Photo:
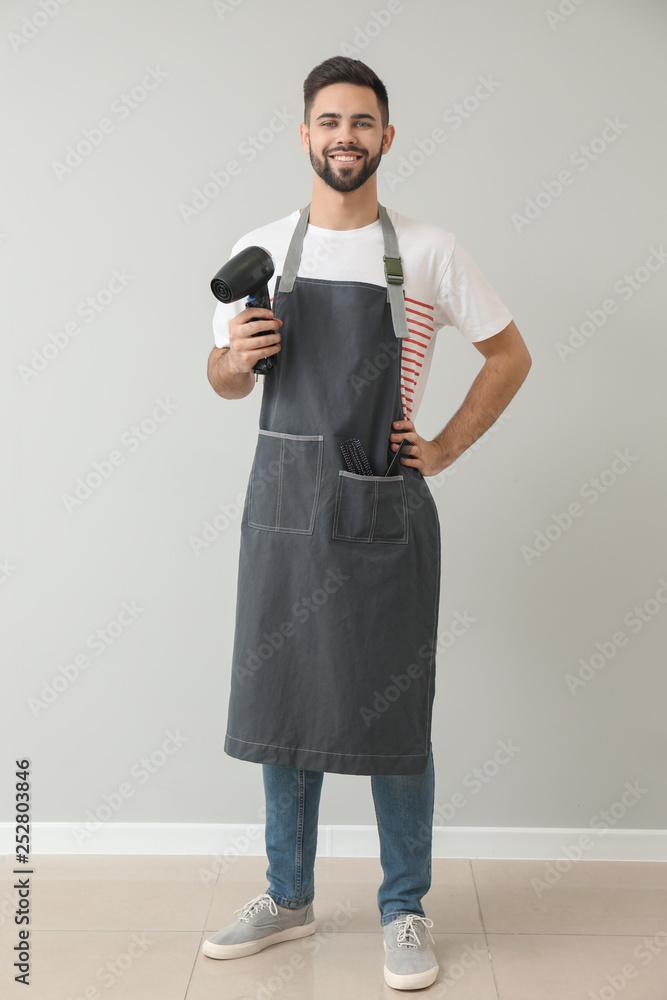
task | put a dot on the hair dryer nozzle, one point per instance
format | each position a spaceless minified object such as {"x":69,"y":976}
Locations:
{"x":243,"y":274}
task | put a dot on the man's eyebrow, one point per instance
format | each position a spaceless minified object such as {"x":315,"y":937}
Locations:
{"x":335,"y":114}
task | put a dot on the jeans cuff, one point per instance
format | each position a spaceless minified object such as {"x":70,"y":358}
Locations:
{"x":290,"y":904}
{"x":388,"y":918}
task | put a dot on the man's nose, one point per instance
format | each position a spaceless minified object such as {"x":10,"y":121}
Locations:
{"x":345,"y":135}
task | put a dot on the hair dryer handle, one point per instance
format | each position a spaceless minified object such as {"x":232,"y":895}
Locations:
{"x":261,"y":300}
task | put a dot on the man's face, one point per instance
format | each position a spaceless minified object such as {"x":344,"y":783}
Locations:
{"x":345,"y":140}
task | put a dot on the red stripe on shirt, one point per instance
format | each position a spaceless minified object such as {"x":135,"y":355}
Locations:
{"x":423,"y":344}
{"x":418,"y":303}
{"x":416,"y":312}
{"x":415,"y":322}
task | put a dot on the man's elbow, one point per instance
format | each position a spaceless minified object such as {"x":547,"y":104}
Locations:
{"x":520,"y":358}
{"x":524,"y":362}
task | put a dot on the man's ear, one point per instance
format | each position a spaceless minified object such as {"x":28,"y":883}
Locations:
{"x":303,"y":131}
{"x":388,"y":138}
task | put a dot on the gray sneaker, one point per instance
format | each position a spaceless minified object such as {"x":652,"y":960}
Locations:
{"x":409,"y":962}
{"x":261,"y":923}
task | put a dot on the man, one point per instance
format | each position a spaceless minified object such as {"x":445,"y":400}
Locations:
{"x":339,"y":570}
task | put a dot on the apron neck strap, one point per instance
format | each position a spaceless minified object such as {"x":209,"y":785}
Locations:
{"x":393,"y":273}
{"x":392,"y":266}
{"x":293,"y":256}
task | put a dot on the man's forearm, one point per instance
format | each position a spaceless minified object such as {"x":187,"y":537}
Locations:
{"x":226,"y":384}
{"x":495,"y":385}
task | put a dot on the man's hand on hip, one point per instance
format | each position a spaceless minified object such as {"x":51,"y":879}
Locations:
{"x":426,"y":456}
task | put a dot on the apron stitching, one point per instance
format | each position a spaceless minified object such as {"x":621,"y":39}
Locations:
{"x":318,"y":488}
{"x":339,"y":283}
{"x":252,"y":470}
{"x":406,"y":522}
{"x":295,"y":437}
{"x":336,"y":533}
{"x":330,"y":753}
{"x":280,"y":482}
{"x":336,"y":512}
{"x":381,"y":479}
{"x":375,"y":511}
{"x":435,"y":624}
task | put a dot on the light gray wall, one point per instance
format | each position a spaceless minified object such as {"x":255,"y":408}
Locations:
{"x":219,"y":76}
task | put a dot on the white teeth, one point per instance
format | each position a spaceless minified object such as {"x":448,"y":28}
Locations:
{"x":345,"y":159}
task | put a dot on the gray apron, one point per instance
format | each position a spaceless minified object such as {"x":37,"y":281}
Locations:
{"x":339,"y":574}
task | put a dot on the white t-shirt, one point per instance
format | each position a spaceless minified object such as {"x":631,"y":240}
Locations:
{"x":443,"y":286}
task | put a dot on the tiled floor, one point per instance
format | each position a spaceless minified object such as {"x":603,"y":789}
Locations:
{"x":131,"y":928}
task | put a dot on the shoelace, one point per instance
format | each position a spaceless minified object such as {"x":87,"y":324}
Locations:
{"x":407,"y":931}
{"x":256,"y":904}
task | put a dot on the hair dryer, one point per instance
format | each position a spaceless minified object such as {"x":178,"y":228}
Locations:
{"x":247,"y":273}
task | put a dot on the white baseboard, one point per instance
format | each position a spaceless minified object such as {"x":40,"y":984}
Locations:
{"x":229,"y":839}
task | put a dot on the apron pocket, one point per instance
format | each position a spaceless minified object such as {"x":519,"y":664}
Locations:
{"x":285,"y":482}
{"x":370,"y":509}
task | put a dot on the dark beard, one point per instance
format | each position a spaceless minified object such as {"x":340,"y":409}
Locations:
{"x":346,"y":180}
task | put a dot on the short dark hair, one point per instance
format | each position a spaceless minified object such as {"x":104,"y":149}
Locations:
{"x":342,"y":69}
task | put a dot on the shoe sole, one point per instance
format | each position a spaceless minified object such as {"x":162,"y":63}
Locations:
{"x":252,"y":947}
{"x":414,"y":981}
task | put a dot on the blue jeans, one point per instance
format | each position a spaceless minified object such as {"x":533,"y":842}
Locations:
{"x":404,"y":813}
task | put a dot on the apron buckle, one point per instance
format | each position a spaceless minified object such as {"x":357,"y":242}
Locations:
{"x":393,"y":271}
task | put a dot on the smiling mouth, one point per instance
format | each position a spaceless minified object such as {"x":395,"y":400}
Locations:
{"x":344,"y":157}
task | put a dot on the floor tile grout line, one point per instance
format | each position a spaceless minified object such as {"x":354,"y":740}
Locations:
{"x":195,"y":959}
{"x":486,"y":937}
{"x":212,"y":897}
{"x":202,"y":933}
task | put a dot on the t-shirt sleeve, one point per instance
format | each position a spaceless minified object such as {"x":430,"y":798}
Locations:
{"x":466,"y":300}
